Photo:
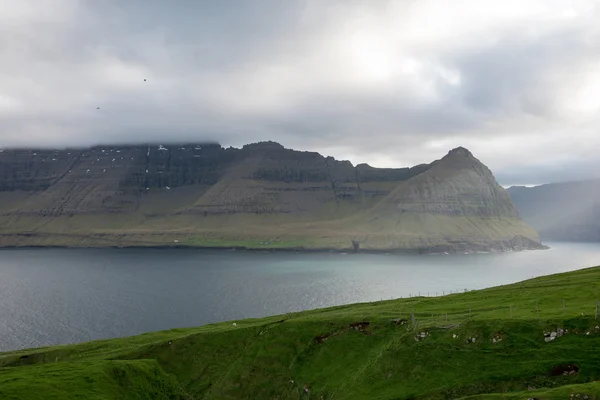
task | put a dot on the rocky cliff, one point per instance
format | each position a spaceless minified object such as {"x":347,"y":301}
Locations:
{"x":259,"y":196}
{"x":561,"y":211}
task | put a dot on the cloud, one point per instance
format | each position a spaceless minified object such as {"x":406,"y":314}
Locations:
{"x":389,"y":83}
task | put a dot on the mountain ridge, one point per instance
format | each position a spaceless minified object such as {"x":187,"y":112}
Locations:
{"x":207,"y":195}
{"x":561,"y":211}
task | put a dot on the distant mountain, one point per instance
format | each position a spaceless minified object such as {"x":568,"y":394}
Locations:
{"x":561,"y":211}
{"x":260,"y":196}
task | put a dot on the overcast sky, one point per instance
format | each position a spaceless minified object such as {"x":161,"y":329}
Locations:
{"x":390,"y":83}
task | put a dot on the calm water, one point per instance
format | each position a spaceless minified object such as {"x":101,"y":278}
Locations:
{"x":54,"y":296}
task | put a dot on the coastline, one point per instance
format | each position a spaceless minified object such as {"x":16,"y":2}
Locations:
{"x":437,"y":250}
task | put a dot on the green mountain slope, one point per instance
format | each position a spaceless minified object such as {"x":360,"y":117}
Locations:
{"x":260,"y":196}
{"x":456,"y":204}
{"x":534,"y":339}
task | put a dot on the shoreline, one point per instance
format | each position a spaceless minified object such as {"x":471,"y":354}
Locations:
{"x":421,"y":251}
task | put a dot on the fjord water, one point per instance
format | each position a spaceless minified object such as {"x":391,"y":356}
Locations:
{"x":53,"y":296}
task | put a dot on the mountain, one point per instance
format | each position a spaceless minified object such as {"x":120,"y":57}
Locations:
{"x":260,"y":196}
{"x":561,"y":211}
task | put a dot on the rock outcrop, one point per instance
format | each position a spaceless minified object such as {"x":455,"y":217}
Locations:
{"x":261,"y":195}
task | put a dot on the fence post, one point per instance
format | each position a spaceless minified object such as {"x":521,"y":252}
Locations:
{"x":564,"y":307}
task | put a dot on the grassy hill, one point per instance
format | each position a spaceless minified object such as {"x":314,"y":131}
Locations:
{"x":534,"y":339}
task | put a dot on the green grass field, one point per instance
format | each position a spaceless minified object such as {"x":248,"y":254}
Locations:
{"x":479,"y":345}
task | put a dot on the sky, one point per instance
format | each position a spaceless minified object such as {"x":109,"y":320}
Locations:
{"x":391,"y":83}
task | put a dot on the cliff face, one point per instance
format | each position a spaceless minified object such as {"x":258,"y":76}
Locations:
{"x":256,"y":196}
{"x":561,"y":211}
{"x":259,"y":178}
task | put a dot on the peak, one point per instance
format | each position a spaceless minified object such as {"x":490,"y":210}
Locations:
{"x":458,"y":159}
{"x":460,"y":151}
{"x":458,"y":155}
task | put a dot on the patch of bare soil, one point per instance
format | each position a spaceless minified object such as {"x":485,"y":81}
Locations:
{"x":565,"y":369}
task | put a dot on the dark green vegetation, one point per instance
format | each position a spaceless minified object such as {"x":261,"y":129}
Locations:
{"x":561,"y":211}
{"x":261,"y":196}
{"x":488,"y":344}
{"x":139,"y":379}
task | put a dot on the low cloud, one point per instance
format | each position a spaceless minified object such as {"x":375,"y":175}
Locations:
{"x":389,"y":83}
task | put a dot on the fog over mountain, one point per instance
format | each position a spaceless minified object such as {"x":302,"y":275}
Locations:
{"x":561,"y":211}
{"x":387,"y":83}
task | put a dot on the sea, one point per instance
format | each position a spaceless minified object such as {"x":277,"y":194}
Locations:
{"x":59,"y":296}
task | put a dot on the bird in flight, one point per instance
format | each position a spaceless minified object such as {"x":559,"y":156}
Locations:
{"x":97,"y":108}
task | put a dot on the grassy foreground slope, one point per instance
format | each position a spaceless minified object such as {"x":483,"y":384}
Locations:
{"x":485,"y":344}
